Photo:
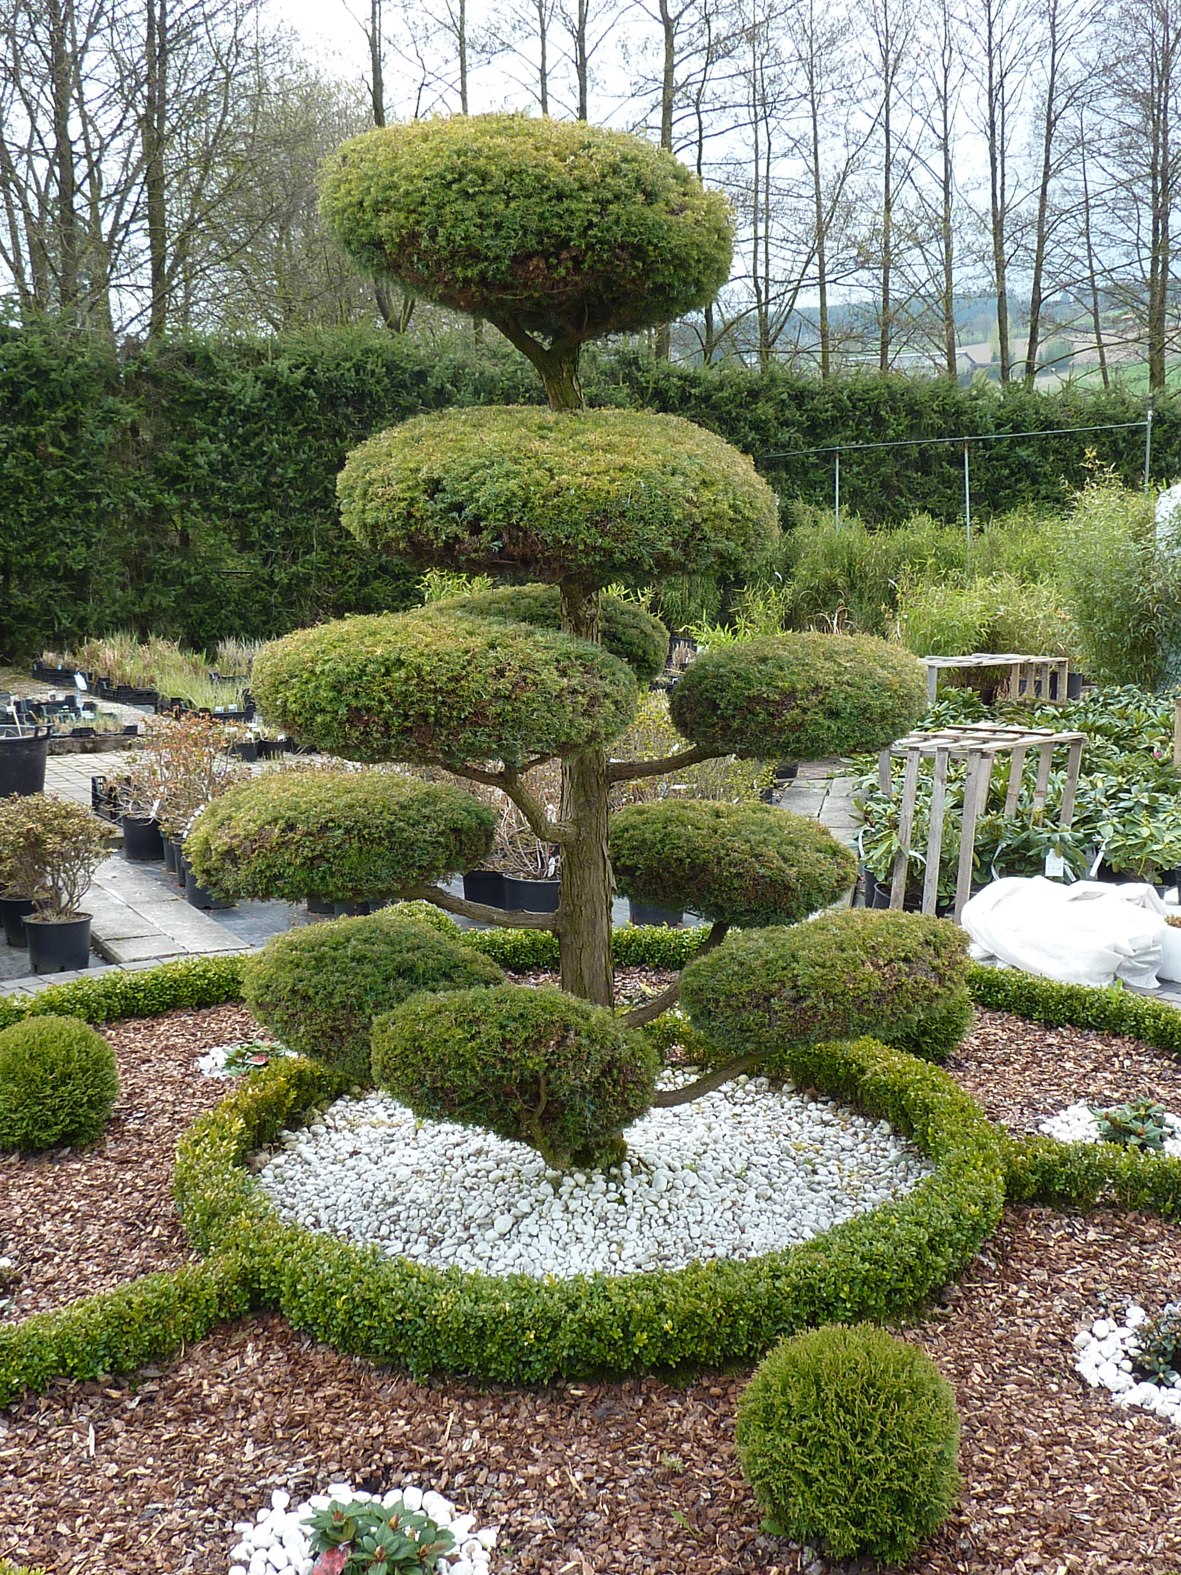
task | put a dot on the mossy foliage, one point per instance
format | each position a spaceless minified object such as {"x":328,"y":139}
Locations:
{"x":635,"y":636}
{"x":336,"y":835}
{"x":601,"y":495}
{"x":749,"y":864}
{"x":429,"y":686}
{"x":800,"y":696}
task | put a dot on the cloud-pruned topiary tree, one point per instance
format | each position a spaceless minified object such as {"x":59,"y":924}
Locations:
{"x":558,"y":234}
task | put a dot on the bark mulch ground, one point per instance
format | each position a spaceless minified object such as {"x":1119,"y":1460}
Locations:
{"x":149,"y":1474}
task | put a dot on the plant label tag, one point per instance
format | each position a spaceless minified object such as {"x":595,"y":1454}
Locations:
{"x":80,"y":682}
{"x":1055,"y":866}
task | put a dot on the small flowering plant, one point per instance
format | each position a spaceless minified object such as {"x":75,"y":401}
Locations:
{"x":1140,"y":1124}
{"x":375,"y":1539}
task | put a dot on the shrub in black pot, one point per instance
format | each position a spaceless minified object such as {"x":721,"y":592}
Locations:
{"x":52,"y":849}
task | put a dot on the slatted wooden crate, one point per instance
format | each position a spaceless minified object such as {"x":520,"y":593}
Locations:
{"x":978,"y":744}
{"x":1030,"y":677}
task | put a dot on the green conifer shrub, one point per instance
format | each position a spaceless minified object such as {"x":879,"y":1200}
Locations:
{"x":849,"y":1438}
{"x":320,"y":988}
{"x":57,"y":1083}
{"x":535,"y":1066}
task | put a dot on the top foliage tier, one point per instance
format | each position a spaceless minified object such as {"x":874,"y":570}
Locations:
{"x":560,"y":229}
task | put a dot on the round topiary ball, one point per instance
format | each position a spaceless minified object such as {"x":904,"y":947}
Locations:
{"x":57,"y":1083}
{"x":534,"y":1066}
{"x":319,"y":989}
{"x":559,"y":227}
{"x":600,"y":495}
{"x":429,"y":686}
{"x":748,"y":864}
{"x":800,"y":696}
{"x":629,"y":632}
{"x":899,"y":977}
{"x":337,"y":835}
{"x":849,"y":1438}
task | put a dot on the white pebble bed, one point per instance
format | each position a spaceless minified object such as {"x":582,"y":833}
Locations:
{"x":748,"y":1169}
{"x":276,"y":1541}
{"x":1076,"y":1124}
{"x":1105,"y":1360}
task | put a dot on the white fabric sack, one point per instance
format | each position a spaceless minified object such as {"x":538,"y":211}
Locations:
{"x":1088,"y":933}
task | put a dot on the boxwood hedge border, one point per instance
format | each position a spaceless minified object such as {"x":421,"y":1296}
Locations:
{"x":704,"y":1316}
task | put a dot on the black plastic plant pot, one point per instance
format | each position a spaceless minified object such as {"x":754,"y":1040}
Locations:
{"x":169,"y":854}
{"x":142,"y":842}
{"x":649,"y":913}
{"x":182,"y":865}
{"x":22,"y":761}
{"x":201,"y":896}
{"x":317,"y":905}
{"x":247,"y":750}
{"x":486,"y":886}
{"x":531,"y":896}
{"x":13,"y":911}
{"x":59,"y":945}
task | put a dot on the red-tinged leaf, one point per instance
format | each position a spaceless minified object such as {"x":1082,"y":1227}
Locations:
{"x":332,"y":1560}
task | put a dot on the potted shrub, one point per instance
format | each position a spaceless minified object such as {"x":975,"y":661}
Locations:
{"x":53,"y":848}
{"x":16,"y":895}
{"x":189,"y":760}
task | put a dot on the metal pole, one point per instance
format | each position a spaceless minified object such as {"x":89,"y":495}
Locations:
{"x":967,"y":497}
{"x":1148,"y":444}
{"x":836,"y":491}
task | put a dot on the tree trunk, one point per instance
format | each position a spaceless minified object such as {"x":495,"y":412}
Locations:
{"x":584,"y":910}
{"x":152,"y":135}
{"x":62,"y":70}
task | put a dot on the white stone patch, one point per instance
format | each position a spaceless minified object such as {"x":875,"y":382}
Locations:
{"x":234,"y":1059}
{"x":1076,"y":1124}
{"x":1104,"y":1359}
{"x":277,"y":1541}
{"x":748,"y":1169}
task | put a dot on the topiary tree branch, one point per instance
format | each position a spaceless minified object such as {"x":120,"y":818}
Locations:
{"x":506,"y":918}
{"x":669,"y":1098}
{"x":508,"y":781}
{"x":651,"y":1010}
{"x":633,"y":770}
{"x":556,"y":365}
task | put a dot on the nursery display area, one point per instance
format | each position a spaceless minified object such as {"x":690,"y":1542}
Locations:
{"x":546,"y":1246}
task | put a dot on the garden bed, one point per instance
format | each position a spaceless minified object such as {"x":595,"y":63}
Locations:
{"x":638,"y":1477}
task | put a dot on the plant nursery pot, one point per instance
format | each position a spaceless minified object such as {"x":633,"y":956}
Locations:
{"x":23,"y":754}
{"x":200,"y":896}
{"x":648,"y":913}
{"x":59,"y":945}
{"x":486,"y":886}
{"x":315,"y":905}
{"x":178,"y":861}
{"x":247,"y":751}
{"x":142,"y":842}
{"x":531,"y":896}
{"x":169,"y":854}
{"x":12,"y":914}
{"x":350,"y":910}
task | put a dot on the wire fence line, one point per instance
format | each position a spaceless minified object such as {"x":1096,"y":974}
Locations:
{"x":968,"y":438}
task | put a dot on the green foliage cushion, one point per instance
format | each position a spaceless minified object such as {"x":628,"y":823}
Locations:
{"x":428,"y":686}
{"x":849,"y":1438}
{"x":336,"y":835}
{"x":602,"y":494}
{"x":535,"y":1066}
{"x":748,"y":864}
{"x":901,"y":977}
{"x":800,"y":696}
{"x":57,"y":1083}
{"x":319,"y":988}
{"x":629,"y":632}
{"x":565,"y":227}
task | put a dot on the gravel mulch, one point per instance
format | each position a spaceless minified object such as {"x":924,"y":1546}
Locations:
{"x":75,"y":1222}
{"x":584,"y":1479}
{"x":1023,"y":1072}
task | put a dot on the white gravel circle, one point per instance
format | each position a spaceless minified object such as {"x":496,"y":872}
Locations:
{"x":1104,"y":1358}
{"x":748,"y":1169}
{"x":1076,"y":1124}
{"x":277,"y":1542}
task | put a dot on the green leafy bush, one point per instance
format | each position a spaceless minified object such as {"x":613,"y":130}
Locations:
{"x":558,"y":225}
{"x":800,"y":696}
{"x":901,"y":977}
{"x":629,"y":632}
{"x":603,"y":494}
{"x":336,"y":835}
{"x":57,"y":1083}
{"x":379,"y":1539}
{"x":424,"y":686}
{"x":319,"y":989}
{"x":139,"y":992}
{"x":849,"y":1438}
{"x":1139,"y":1124}
{"x":1156,"y":1352}
{"x":1001,"y":613}
{"x":535,"y":1066}
{"x":732,"y":863}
